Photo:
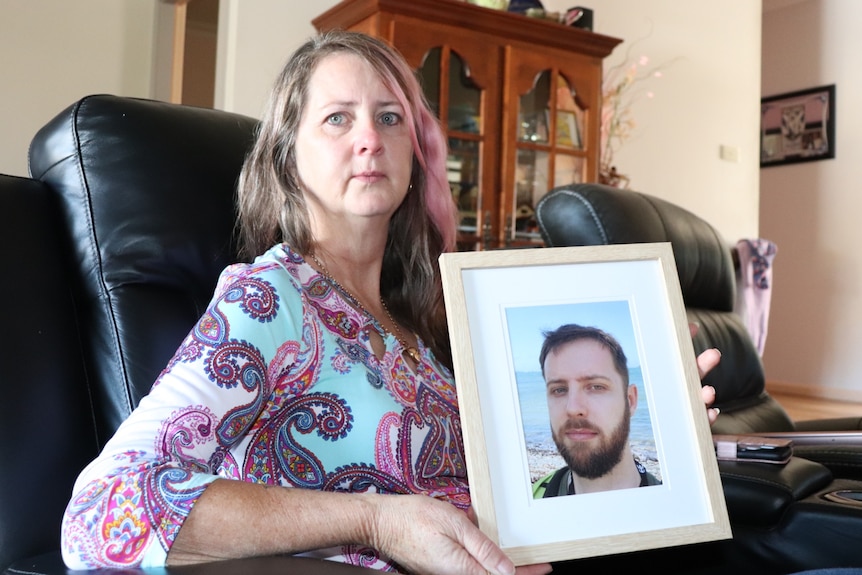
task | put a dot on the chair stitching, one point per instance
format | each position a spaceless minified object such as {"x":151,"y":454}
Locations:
{"x":583,"y":200}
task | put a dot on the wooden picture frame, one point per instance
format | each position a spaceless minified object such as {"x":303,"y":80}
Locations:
{"x":797,"y":126}
{"x":481,"y":289}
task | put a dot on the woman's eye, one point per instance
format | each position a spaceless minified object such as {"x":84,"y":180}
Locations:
{"x":390,"y":118}
{"x":336,"y":119}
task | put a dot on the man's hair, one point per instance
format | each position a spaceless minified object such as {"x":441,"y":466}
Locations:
{"x":571,"y":332}
{"x":272,"y":207}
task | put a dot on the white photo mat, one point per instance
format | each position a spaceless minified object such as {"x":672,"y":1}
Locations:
{"x":687,"y":508}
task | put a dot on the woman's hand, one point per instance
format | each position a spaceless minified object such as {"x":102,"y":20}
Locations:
{"x":427,"y":536}
{"x":707,"y":360}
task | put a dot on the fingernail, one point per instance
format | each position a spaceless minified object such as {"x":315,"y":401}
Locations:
{"x":505,"y":567}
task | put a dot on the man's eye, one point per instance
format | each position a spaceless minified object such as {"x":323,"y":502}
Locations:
{"x":390,"y":118}
{"x":557,"y":391}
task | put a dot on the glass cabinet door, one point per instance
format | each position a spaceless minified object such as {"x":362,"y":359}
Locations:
{"x":461,"y":80}
{"x":549,"y":150}
{"x":462,"y":116}
{"x":549,"y":127}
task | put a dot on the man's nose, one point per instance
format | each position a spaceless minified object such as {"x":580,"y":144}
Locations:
{"x":575,"y":404}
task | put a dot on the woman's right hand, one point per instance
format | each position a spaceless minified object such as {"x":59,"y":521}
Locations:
{"x":428,"y":536}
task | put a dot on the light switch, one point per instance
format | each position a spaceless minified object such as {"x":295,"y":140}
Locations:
{"x":729,"y":153}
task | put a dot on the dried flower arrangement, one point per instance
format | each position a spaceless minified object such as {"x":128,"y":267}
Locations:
{"x":623,"y":84}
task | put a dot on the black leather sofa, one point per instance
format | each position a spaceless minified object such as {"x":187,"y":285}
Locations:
{"x":114,"y":244}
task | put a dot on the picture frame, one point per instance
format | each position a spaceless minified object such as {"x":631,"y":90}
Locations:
{"x":797,"y":126}
{"x":568,"y":133}
{"x":481,"y":291}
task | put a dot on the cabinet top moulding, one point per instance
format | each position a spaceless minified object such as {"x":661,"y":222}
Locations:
{"x":485,"y":20}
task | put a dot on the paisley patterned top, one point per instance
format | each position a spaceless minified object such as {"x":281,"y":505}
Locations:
{"x":276,"y":384}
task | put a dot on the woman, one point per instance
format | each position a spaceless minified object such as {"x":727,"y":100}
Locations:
{"x":323,"y":365}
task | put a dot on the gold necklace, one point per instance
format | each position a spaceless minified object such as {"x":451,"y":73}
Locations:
{"x":408,"y":349}
{"x":411,"y":351}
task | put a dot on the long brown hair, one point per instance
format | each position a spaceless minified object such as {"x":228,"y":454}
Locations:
{"x":272,"y":208}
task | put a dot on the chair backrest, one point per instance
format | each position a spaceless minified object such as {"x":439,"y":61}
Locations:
{"x":593,"y":214}
{"x":147,"y":193}
{"x":45,"y":417}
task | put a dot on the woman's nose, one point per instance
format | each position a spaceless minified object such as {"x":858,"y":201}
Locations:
{"x":368,"y":140}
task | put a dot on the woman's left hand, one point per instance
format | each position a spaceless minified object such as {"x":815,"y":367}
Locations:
{"x":707,"y":360}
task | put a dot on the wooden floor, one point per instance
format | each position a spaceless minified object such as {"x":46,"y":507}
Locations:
{"x":802,"y":407}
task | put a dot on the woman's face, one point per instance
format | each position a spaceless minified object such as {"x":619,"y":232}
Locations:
{"x":353,"y":147}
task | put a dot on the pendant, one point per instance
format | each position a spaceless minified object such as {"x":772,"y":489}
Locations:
{"x":413,"y":354}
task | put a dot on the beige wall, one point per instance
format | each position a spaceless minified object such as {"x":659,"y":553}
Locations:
{"x":54,"y":52}
{"x":707,"y":97}
{"x":811,"y":210}
{"x":255,"y":38}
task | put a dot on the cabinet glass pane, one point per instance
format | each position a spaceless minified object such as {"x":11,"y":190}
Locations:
{"x":463,"y":173}
{"x":531,"y":184}
{"x":568,"y":170}
{"x":464,"y":97}
{"x":429,"y":77}
{"x":570,"y":117}
{"x":533,"y":111}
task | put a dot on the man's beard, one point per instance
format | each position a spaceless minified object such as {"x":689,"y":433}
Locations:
{"x":592,"y":463}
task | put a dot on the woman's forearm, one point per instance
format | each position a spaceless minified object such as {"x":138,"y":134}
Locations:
{"x":238,"y":519}
{"x":420,"y":533}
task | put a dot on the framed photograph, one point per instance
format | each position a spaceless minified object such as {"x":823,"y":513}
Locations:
{"x":568,"y":133}
{"x":797,"y":126}
{"x":584,"y":429}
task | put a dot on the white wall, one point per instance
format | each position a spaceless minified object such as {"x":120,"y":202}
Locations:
{"x":811,"y":210}
{"x":706,"y":98}
{"x":54,"y":52}
{"x":255,"y":39}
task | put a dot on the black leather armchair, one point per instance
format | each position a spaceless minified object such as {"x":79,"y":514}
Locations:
{"x":147,"y":192}
{"x":591,"y":214}
{"x":114,"y":245}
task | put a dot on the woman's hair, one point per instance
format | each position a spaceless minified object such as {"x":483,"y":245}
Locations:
{"x":272,"y":208}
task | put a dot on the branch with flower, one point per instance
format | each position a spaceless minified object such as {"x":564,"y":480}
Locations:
{"x":623,"y":85}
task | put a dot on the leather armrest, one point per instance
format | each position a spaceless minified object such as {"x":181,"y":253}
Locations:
{"x":830,"y":424}
{"x":843,"y":461}
{"x":759,"y":493}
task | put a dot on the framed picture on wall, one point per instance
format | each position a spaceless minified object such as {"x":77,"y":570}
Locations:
{"x":797,"y":126}
{"x":504,"y":307}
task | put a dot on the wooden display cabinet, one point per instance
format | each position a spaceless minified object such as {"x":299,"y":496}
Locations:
{"x":519,"y":97}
